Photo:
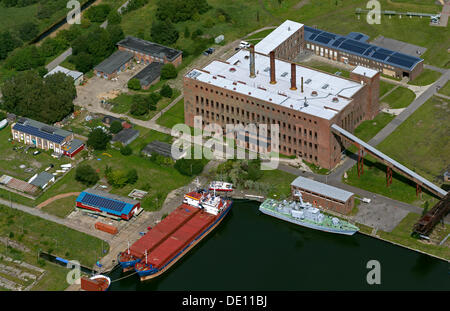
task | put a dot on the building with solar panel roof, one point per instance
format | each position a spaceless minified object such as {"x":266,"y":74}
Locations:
{"x":45,"y":137}
{"x":353,"y":49}
{"x":107,"y":204}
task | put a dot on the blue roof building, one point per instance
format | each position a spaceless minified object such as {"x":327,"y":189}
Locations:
{"x":107,"y":204}
{"x":354,"y":49}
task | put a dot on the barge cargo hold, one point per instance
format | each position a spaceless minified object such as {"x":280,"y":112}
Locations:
{"x":175,"y":235}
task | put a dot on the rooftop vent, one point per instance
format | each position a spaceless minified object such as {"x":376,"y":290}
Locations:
{"x":237,"y":62}
{"x":266,"y":69}
{"x":284,"y":74}
{"x":313,"y":93}
{"x":335,"y":100}
{"x":325,"y":86}
{"x":246,"y":57}
{"x":308,"y":81}
{"x":232,"y":69}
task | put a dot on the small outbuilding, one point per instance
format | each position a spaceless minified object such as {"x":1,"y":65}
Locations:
{"x":42,"y":180}
{"x":113,"y":65}
{"x":126,"y":136}
{"x":75,"y":75}
{"x":149,"y":75}
{"x":160,"y":148}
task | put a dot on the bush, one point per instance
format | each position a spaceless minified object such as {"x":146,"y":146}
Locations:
{"x":139,"y":106}
{"x":166,"y":91}
{"x":119,"y":178}
{"x":115,"y":127}
{"x":98,"y":13}
{"x":126,"y":150}
{"x":189,"y":167}
{"x":98,"y":139}
{"x":168,"y":71}
{"x":28,"y":31}
{"x":164,"y":32}
{"x":86,"y":175}
{"x":114,"y":18}
{"x":134,"y":84}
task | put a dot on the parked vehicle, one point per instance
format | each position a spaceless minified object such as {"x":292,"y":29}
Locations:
{"x":36,"y":152}
{"x":244,"y":45}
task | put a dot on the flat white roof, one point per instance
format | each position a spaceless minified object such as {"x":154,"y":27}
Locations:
{"x":278,"y":36}
{"x":71,"y":73}
{"x":364,"y":71}
{"x":235,"y":75}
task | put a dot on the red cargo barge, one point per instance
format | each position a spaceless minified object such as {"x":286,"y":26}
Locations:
{"x":176,"y":234}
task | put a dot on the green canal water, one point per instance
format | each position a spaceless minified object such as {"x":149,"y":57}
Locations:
{"x":253,"y":251}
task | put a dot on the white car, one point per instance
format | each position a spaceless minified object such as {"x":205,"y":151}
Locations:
{"x":366,"y":200}
{"x":244,"y":45}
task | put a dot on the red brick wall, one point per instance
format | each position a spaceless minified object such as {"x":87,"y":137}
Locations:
{"x":326,"y":203}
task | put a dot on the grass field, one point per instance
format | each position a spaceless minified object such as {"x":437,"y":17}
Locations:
{"x":174,"y":115}
{"x":280,"y":181}
{"x":145,"y":137}
{"x":62,"y":207}
{"x":421,"y":143}
{"x":368,"y":129}
{"x":385,"y":87}
{"x":445,"y":90}
{"x":38,"y":234}
{"x":426,"y":77}
{"x":401,"y":97}
{"x":402,"y":235}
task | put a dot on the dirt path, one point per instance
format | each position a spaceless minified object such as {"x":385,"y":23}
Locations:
{"x":57,"y":197}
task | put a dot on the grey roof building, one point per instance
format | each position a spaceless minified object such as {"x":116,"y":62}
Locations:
{"x":42,"y":179}
{"x":160,"y":148}
{"x":322,"y":189}
{"x":126,"y":136}
{"x":149,"y":48}
{"x":114,"y":63}
{"x":149,"y":74}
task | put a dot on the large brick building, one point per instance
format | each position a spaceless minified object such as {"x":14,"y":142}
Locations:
{"x":354,"y":50}
{"x":304,"y":102}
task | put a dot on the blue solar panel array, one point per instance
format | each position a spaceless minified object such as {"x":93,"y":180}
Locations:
{"x":105,"y":204}
{"x":31,"y":130}
{"x":353,"y":44}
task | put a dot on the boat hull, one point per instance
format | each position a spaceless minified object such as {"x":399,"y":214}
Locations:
{"x":306,"y":224}
{"x":150,"y":274}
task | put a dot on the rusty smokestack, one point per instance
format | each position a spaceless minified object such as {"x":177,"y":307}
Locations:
{"x":302,"y":85}
{"x":272,"y":68}
{"x":293,"y":77}
{"x":252,"y":61}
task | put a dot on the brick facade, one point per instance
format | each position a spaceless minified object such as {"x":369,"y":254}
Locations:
{"x":325,"y":202}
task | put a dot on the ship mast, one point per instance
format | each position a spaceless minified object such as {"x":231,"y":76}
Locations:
{"x":145,"y":256}
{"x":128,"y":242}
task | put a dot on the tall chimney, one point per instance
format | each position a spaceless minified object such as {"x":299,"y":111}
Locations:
{"x":302,"y":85}
{"x":252,"y":61}
{"x":293,"y":77}
{"x":272,"y":68}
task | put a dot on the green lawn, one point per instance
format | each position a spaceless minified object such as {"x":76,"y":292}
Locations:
{"x":445,"y":89}
{"x":401,"y":97}
{"x":62,"y":207}
{"x":280,"y":182}
{"x":39,"y":234}
{"x":146,"y":136}
{"x":316,"y":169}
{"x":174,"y":115}
{"x":402,"y":235}
{"x":368,"y":129}
{"x":427,"y":77}
{"x":385,"y":87}
{"x":421,"y":144}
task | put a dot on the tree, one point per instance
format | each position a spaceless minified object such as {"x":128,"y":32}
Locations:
{"x":28,"y":31}
{"x":9,"y":43}
{"x":126,"y":150}
{"x":25,"y":59}
{"x":132,"y":176}
{"x":166,"y":91}
{"x":189,"y":167}
{"x":187,"y":33}
{"x":115,"y":127}
{"x":98,"y":139}
{"x":98,"y":13}
{"x":114,"y":18}
{"x":47,"y":99}
{"x":86,"y":175}
{"x":134,"y":84}
{"x":115,"y":33}
{"x":168,"y":71}
{"x":139,"y":106}
{"x":180,"y":10}
{"x":83,"y":62}
{"x":164,"y":32}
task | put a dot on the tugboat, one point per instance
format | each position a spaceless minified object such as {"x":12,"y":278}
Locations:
{"x":306,"y":215}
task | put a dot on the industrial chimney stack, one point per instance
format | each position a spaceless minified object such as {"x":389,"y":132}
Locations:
{"x":272,"y":68}
{"x":293,"y":77}
{"x":252,"y":61}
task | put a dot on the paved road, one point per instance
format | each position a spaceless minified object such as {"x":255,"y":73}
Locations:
{"x":59,"y":59}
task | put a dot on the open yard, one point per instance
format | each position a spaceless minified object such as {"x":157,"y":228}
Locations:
{"x":62,"y":207}
{"x":426,"y":77}
{"x":401,"y":97}
{"x":445,"y":90}
{"x":385,"y":87}
{"x":35,"y":234}
{"x":174,"y":115}
{"x":368,"y":129}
